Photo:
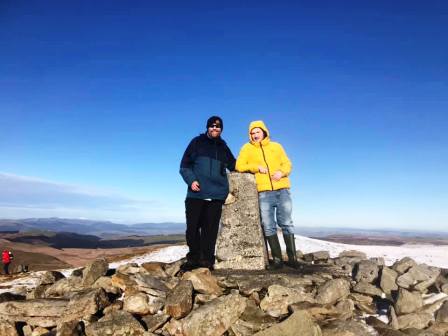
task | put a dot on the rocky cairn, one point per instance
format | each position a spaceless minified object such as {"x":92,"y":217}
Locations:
{"x":342,"y":296}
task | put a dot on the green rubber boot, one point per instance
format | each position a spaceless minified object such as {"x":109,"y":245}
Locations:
{"x":276,"y":251}
{"x":290,"y":243}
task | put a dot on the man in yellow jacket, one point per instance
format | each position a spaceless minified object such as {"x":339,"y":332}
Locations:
{"x":271,"y":166}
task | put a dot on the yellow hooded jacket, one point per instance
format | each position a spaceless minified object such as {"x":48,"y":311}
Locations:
{"x":268,"y":154}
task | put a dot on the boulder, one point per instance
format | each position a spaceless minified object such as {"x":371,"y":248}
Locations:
{"x":137,"y":304}
{"x":84,"y":304}
{"x":215,"y":317}
{"x":36,"y":312}
{"x":299,"y":323}
{"x":180,"y":300}
{"x":119,"y":323}
{"x":401,"y":266}
{"x":93,"y":271}
{"x":332,"y":290}
{"x":387,"y":281}
{"x":368,"y":289}
{"x":442,"y":313}
{"x":154,"y":269}
{"x":347,"y":328}
{"x":50,"y":277}
{"x":7,"y":328}
{"x":408,"y":302}
{"x":366,"y":271}
{"x":154,"y":322}
{"x":318,"y":256}
{"x":278,"y":298}
{"x":203,"y":281}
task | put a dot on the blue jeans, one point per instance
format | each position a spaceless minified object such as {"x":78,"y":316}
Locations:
{"x":276,"y":209}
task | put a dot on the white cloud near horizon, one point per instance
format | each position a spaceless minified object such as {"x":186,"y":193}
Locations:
{"x":23,"y":196}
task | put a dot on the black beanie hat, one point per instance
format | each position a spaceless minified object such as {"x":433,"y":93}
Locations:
{"x":214,"y":120}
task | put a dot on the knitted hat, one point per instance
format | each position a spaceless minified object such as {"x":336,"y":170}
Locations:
{"x":215,"y":120}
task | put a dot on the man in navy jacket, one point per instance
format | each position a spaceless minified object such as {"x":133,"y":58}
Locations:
{"x":204,"y":168}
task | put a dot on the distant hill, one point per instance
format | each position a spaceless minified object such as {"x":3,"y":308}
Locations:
{"x":88,"y":227}
{"x":109,"y":229}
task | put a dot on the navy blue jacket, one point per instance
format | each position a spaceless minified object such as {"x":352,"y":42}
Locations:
{"x":206,"y":160}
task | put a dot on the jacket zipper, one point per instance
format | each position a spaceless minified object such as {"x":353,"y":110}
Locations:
{"x":269,"y":173}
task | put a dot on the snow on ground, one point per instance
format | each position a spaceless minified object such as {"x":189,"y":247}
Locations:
{"x":434,"y":255}
{"x":167,"y":254}
{"x":428,"y":254}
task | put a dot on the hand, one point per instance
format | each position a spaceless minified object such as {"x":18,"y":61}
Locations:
{"x":262,"y":170}
{"x":277,"y":175}
{"x":195,"y":186}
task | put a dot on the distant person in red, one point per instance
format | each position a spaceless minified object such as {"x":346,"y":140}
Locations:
{"x":7,"y":257}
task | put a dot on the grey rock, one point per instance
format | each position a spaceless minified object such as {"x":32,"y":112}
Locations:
{"x":106,"y":284}
{"x":278,"y":298}
{"x":93,"y":271}
{"x":154,"y":322}
{"x":442,"y":313}
{"x":7,"y":328}
{"x":368,"y":289}
{"x":119,"y":323}
{"x":64,"y":288}
{"x":352,"y":254}
{"x":318,"y":256}
{"x":408,"y":302}
{"x":215,"y":317}
{"x":366,"y":271}
{"x":203,"y":281}
{"x":347,"y":328}
{"x":299,"y":323}
{"x":235,"y":250}
{"x":419,"y":277}
{"x":69,"y":328}
{"x":252,"y":320}
{"x":332,"y":290}
{"x":401,"y":266}
{"x":180,"y":300}
{"x":414,"y":320}
{"x":154,"y":268}
{"x":50,"y":277}
{"x":137,"y":304}
{"x":85,"y":304}
{"x":388,"y":280}
{"x":37,"y":312}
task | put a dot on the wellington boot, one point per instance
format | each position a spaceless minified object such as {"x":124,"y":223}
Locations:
{"x":290,"y":243}
{"x":276,"y":251}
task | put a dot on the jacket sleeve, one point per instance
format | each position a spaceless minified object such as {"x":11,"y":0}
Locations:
{"x":231,"y":161}
{"x":186,"y":164}
{"x":242,"y":163}
{"x":285,"y":163}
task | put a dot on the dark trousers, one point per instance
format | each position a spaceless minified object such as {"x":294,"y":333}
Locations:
{"x":202,"y":228}
{"x":6,"y":268}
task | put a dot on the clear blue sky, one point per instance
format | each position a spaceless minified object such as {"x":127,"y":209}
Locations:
{"x":98,"y":100}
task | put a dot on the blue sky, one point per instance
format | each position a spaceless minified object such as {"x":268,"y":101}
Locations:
{"x":98,"y":100}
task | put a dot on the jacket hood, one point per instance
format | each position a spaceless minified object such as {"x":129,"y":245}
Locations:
{"x":259,"y":124}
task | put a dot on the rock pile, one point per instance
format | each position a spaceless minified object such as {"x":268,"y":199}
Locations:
{"x":342,"y":296}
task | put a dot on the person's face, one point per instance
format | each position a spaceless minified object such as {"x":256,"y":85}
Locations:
{"x":256,"y":134}
{"x":214,"y":131}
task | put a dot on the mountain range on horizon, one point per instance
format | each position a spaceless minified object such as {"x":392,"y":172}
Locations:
{"x":101,"y":228}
